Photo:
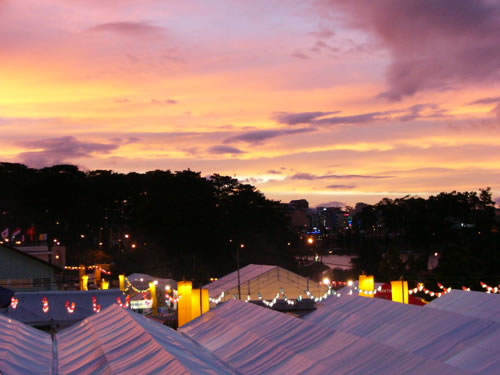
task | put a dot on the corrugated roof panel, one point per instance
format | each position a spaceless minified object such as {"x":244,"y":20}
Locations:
{"x":477,"y":304}
{"x":117,"y":341}
{"x":257,"y":340}
{"x":24,"y":350}
{"x":444,"y":336}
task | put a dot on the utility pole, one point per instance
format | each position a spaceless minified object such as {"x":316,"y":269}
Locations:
{"x":238,"y":267}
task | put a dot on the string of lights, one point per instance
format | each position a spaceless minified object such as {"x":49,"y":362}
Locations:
{"x":93,"y":267}
{"x":71,"y":306}
{"x":421,"y":288}
{"x":218,"y":299}
{"x":95,"y":306}
{"x":490,"y":289}
{"x":130,"y":286}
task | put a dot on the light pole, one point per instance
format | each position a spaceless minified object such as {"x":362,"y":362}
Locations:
{"x":238,"y":267}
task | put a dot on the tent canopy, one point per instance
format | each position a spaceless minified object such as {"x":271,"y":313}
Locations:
{"x":256,"y":340}
{"x":24,"y":350}
{"x":117,"y":341}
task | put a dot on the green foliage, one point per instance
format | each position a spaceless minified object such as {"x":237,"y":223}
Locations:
{"x":179,"y":224}
{"x":460,"y":226}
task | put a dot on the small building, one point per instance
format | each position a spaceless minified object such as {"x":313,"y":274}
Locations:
{"x":259,"y":281}
{"x":21,"y":271}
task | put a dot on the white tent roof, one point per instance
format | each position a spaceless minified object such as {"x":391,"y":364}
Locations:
{"x":230,"y":281}
{"x":448,"y":337}
{"x":257,"y":340}
{"x":24,"y":350}
{"x":29,"y":309}
{"x":117,"y":341}
{"x":476,"y":304}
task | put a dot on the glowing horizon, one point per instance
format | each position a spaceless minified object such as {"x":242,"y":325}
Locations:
{"x":319,"y":99}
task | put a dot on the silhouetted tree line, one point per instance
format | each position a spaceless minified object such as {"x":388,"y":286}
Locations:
{"x":394,"y":238}
{"x":171,"y":224}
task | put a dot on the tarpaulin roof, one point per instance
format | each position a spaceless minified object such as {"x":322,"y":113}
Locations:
{"x":29,"y":309}
{"x":117,"y":341}
{"x":24,"y":350}
{"x":449,"y":337}
{"x":230,"y":281}
{"x":477,"y":304}
{"x":256,"y":340}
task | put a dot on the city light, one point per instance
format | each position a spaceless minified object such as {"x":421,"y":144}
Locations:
{"x":310,"y":240}
{"x":326,"y":281}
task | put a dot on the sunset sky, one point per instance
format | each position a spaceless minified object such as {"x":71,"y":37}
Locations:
{"x":328,"y":100}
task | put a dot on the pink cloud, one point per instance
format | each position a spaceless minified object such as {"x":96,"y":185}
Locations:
{"x":433,"y":44}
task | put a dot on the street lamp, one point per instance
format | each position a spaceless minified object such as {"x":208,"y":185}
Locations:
{"x":238,"y":267}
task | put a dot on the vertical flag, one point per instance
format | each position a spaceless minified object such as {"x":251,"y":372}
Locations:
{"x":16,"y":233}
{"x":31,"y":232}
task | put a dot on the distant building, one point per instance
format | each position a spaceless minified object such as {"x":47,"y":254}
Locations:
{"x":56,"y":255}
{"x":23,"y":272}
{"x":329,"y":218}
{"x":299,"y":204}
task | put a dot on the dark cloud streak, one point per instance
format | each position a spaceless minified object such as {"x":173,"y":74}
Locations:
{"x":434,"y":44}
{"x":61,"y":150}
{"x":259,"y":136}
{"x":311,"y":177}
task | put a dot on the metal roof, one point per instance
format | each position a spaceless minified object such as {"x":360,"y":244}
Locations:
{"x":23,"y":349}
{"x":477,"y":304}
{"x":117,"y":341}
{"x":256,"y":340}
{"x":451,"y":337}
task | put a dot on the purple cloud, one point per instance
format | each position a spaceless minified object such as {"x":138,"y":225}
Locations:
{"x":273,"y":171}
{"x":259,"y":136}
{"x":127,"y":28}
{"x":61,"y":150}
{"x":160,"y":101}
{"x":355,"y":119}
{"x":433,"y":44}
{"x":221,"y":149}
{"x":341,"y":187}
{"x":493,"y":100}
{"x":324,"y":118}
{"x":299,"y":118}
{"x":310,"y":177}
{"x":300,"y":55}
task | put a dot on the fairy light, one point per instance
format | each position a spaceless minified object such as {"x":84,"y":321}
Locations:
{"x":45,"y":305}
{"x":94,"y":267}
{"x":218,"y":299}
{"x":95,"y":306}
{"x":70,"y":307}
{"x":121,"y":304}
{"x":490,"y":289}
{"x":130,"y":286}
{"x":171,"y":299}
{"x":14,"y":302}
{"x":421,"y":288}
